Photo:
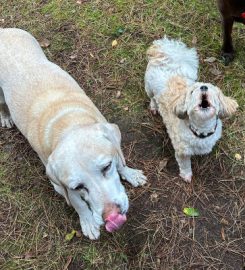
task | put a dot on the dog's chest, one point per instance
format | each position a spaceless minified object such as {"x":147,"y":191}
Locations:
{"x":202,"y":146}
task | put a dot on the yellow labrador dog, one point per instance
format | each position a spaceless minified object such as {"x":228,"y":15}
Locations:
{"x":79,"y":148}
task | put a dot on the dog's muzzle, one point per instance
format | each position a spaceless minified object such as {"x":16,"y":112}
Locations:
{"x":205,"y":104}
{"x":204,"y":88}
{"x":114,"y":217}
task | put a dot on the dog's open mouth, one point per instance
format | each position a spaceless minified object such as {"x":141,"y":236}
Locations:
{"x":204,"y":102}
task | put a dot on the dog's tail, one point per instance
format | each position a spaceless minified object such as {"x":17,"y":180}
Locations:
{"x":175,"y":55}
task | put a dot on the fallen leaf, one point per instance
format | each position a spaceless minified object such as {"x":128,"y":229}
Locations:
{"x":191,"y":212}
{"x":44,"y":43}
{"x":194,"y":40}
{"x":45,"y":235}
{"x":222,"y":233}
{"x":111,"y":10}
{"x":154,"y":197}
{"x":218,"y":208}
{"x":215,"y":71}
{"x":73,"y":56}
{"x":224,"y":221}
{"x":118,"y":94}
{"x":78,"y":234}
{"x":70,"y":235}
{"x":114,"y":43}
{"x":210,"y":59}
{"x":126,"y":108}
{"x":238,"y":156}
{"x":162,"y":164}
{"x":123,"y":60}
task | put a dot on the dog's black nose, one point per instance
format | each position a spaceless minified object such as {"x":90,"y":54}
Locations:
{"x":204,"y":88}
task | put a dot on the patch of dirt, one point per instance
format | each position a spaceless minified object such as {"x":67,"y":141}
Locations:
{"x":158,"y":229}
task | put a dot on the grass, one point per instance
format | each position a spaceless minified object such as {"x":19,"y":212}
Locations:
{"x":34,"y":220}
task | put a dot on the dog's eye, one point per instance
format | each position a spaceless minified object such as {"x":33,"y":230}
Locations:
{"x":80,"y":186}
{"x":106,"y":169}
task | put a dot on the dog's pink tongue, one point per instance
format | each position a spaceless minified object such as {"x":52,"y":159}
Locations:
{"x":114,"y":222}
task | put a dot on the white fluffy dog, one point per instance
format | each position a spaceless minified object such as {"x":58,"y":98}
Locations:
{"x":190,"y":110}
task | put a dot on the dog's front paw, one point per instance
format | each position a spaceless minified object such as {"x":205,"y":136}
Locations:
{"x":227,"y":57}
{"x":133,"y":176}
{"x":91,"y":226}
{"x":153,"y":111}
{"x":186,"y":176}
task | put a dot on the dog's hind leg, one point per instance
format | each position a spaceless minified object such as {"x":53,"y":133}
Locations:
{"x":184,"y":163}
{"x":153,"y":106}
{"x":5,"y":117}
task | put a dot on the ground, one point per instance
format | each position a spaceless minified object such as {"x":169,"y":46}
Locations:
{"x":77,"y":35}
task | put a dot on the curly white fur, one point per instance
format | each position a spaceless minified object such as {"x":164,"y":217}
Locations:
{"x":190,"y":110}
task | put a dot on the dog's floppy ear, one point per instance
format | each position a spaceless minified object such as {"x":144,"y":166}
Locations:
{"x":113,"y":134}
{"x":228,"y":105}
{"x":177,"y":91}
{"x":154,"y":52}
{"x":180,"y":108}
{"x":51,"y":171}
